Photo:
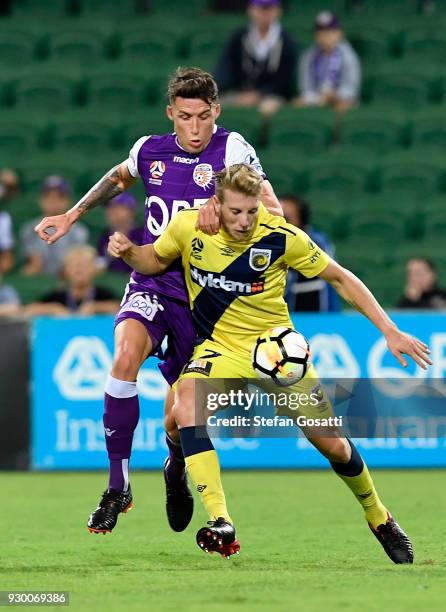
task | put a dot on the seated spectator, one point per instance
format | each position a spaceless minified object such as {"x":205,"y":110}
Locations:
{"x":40,"y":257}
{"x":120,"y":215}
{"x":258,"y":63}
{"x":329,"y":71}
{"x":301,"y":293}
{"x":9,"y":184}
{"x":421,"y":289}
{"x":81,"y":295}
{"x":9,"y":300}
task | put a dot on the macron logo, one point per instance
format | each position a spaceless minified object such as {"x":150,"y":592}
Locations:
{"x":213,"y":281}
{"x":186,"y":160}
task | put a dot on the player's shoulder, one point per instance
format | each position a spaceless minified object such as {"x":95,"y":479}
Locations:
{"x":277,"y":223}
{"x":186,"y":218}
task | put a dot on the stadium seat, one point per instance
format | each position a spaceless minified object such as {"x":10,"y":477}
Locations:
{"x":114,"y":281}
{"x":436,"y":225}
{"x":16,"y":47}
{"x":413,"y":180}
{"x":246,"y":121}
{"x":17,"y":139}
{"x":46,"y":92}
{"x":32,"y":288}
{"x":145,"y":45}
{"x":404,"y":91}
{"x":371,"y":131}
{"x":308,"y":130}
{"x":425,"y":44}
{"x":117,"y":91}
{"x":429,"y":131}
{"x":337,"y":177}
{"x":82,"y":47}
{"x":205,"y":48}
{"x":372,"y":44}
{"x":153,"y":121}
{"x":370,"y":226}
{"x":33,"y":170}
{"x":83,"y":137}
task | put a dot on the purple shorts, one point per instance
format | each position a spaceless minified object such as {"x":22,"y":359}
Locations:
{"x":161,"y":316}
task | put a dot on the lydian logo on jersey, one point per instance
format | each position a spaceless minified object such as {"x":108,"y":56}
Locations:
{"x":203,"y":175}
{"x":157,"y":169}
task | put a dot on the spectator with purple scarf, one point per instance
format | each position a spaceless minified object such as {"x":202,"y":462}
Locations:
{"x":120,"y":215}
{"x":329,"y":72}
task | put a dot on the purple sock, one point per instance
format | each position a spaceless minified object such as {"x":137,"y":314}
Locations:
{"x":175,"y":465}
{"x":121,"y":415}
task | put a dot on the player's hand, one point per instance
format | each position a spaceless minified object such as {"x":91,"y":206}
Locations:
{"x":50,"y":229}
{"x":118,"y":245}
{"x":209,"y":217}
{"x":400,"y":344}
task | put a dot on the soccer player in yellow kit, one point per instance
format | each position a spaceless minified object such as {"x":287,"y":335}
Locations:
{"x":235,"y":281}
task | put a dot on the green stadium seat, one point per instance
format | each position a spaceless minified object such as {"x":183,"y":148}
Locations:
{"x":425,"y":44}
{"x":146,"y":45}
{"x":246,"y":121}
{"x":436,"y":225}
{"x":371,"y":131}
{"x":154,"y":121}
{"x":16,"y":48}
{"x":17,"y":139}
{"x":205,"y":48}
{"x":85,"y":137}
{"x":429,"y":131}
{"x":113,"y":281}
{"x":403,"y":91}
{"x":337,"y":177}
{"x":368,"y":225}
{"x":123,"y":91}
{"x":308,"y":130}
{"x":46,"y":92}
{"x":32,"y":288}
{"x":33,"y":170}
{"x":82,"y":47}
{"x":409,"y":179}
{"x":372,"y":44}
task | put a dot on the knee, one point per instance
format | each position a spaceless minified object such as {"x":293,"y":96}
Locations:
{"x":126,"y":364}
{"x":170,"y":426}
{"x":183,"y":411}
{"x":339,"y":451}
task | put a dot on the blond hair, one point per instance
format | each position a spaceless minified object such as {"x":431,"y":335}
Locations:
{"x":81,"y":249}
{"x":241,"y":178}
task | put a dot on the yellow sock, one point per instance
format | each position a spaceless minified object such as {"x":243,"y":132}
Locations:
{"x":204,"y":469}
{"x":364,"y":490}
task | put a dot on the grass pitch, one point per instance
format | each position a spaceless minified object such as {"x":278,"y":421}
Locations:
{"x":304,"y":545}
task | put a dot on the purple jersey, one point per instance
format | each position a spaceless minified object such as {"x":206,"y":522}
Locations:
{"x":175,"y":179}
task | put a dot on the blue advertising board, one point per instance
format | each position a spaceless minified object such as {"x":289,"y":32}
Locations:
{"x":71,"y":358}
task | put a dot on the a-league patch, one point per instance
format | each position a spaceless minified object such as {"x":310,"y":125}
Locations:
{"x":259,"y":259}
{"x":199,"y":366}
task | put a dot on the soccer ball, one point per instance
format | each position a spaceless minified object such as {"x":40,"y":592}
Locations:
{"x":282,"y":354}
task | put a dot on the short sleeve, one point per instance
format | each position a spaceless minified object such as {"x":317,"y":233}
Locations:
{"x":238,"y":151}
{"x":172,"y":241}
{"x":6,"y":237}
{"x":303,"y":254}
{"x":132,"y":161}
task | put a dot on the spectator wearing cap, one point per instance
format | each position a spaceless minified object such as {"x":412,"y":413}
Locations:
{"x":41,"y":258}
{"x":9,"y":186}
{"x":258,"y":65}
{"x":329,"y":72}
{"x":307,"y":294}
{"x":120,"y":214}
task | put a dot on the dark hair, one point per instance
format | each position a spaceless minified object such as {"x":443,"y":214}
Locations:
{"x":192,"y":83}
{"x":301,"y":205}
{"x":429,"y":263}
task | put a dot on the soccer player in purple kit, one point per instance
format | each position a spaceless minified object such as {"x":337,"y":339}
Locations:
{"x":178,"y":172}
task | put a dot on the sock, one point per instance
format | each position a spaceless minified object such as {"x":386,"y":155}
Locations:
{"x":121,"y":415}
{"x":357,"y":477}
{"x":175,"y":465}
{"x":204,"y":469}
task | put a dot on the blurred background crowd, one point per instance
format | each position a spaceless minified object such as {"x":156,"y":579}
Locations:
{"x":344,"y":101}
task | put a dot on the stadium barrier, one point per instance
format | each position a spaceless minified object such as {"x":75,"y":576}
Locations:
{"x":72,"y":357}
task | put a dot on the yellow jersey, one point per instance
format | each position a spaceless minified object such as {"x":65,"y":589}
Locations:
{"x":236,"y":287}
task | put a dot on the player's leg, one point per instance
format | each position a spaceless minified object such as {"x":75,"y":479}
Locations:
{"x":203,"y":468}
{"x":179,"y":500}
{"x":350,"y":467}
{"x":121,"y":414}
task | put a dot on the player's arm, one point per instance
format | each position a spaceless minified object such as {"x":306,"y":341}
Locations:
{"x":270,"y":200}
{"x":353,"y":290}
{"x":114,"y":182}
{"x":143,"y":259}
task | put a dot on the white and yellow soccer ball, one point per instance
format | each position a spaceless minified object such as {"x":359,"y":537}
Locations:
{"x":281,"y":354}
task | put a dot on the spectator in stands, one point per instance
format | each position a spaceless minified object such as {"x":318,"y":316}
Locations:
{"x":9,"y":185}
{"x":303,"y":294}
{"x":9,"y":300}
{"x":258,"y":63}
{"x":120,"y":214}
{"x":421,"y":289}
{"x":81,"y":295}
{"x":329,"y":72}
{"x":41,"y":258}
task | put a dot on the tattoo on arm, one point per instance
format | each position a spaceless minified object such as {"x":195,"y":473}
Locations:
{"x":104,"y":190}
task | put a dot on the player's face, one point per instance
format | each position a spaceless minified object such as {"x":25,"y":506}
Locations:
{"x":239,"y":214}
{"x":194,"y":122}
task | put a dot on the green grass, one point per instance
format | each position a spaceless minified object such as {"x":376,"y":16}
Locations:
{"x":304,"y":545}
